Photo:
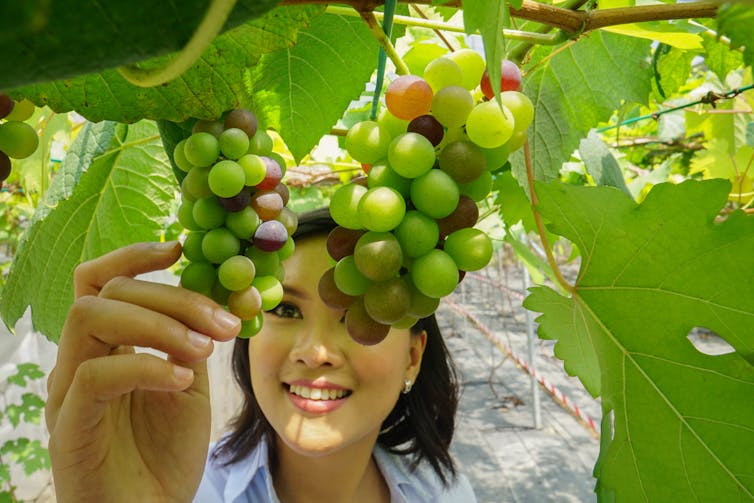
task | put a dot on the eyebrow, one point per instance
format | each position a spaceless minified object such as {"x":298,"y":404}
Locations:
{"x":296,"y":292}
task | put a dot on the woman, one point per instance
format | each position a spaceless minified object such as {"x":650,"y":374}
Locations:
{"x":131,"y":426}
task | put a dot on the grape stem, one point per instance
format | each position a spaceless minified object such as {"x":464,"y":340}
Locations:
{"x":384,"y":41}
{"x":208,"y":29}
{"x":540,"y":226}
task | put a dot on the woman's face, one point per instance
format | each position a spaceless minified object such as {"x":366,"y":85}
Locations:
{"x":319,"y":389}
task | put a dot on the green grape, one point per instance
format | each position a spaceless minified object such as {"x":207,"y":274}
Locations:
{"x":201,"y":149}
{"x":411,"y":155}
{"x":441,"y":73}
{"x":387,"y":301}
{"x":260,"y":143}
{"x":378,"y":256}
{"x":344,"y":205}
{"x":208,"y":213}
{"x":250,"y":328}
{"x":219,"y":245}
{"x":435,"y":274}
{"x":451,"y":106}
{"x":243,"y":223}
{"x":496,"y":157}
{"x":254,"y":169}
{"x":266,"y":262}
{"x":195,"y":183}
{"x":18,"y":139}
{"x":435,"y":194}
{"x":463,"y":161}
{"x":236,"y":273}
{"x":185,"y":194}
{"x":516,"y":141}
{"x":361,"y":327}
{"x":488,"y":125}
{"x":381,"y":209}
{"x":472,"y":66}
{"x":186,"y":216}
{"x":179,"y":157}
{"x":192,"y":246}
{"x":421,"y":305}
{"x":367,"y":142}
{"x":417,"y":234}
{"x":233,"y":143}
{"x":521,"y":107}
{"x":348,"y":278}
{"x":406,"y":322}
{"x":213,"y":127}
{"x":289,"y":219}
{"x":270,"y":289}
{"x":219,"y":293}
{"x":199,"y":277}
{"x":478,"y":189}
{"x":382,"y":175}
{"x":408,"y":96}
{"x":287,"y":250}
{"x":470,"y":248}
{"x":246,"y":303}
{"x":392,"y":124}
{"x":22,"y":110}
{"x":226,"y":178}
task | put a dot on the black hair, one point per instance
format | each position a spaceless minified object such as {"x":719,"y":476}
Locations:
{"x":421,"y":423}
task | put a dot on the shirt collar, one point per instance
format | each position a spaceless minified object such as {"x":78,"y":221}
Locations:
{"x":242,"y":474}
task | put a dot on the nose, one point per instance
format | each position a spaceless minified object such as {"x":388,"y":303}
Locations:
{"x":319,"y":344}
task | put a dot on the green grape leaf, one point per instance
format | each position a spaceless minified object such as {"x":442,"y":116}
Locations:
{"x":679,"y":34}
{"x":53,"y":40}
{"x":213,"y":85}
{"x":569,"y":97}
{"x":750,"y":134}
{"x":489,"y":17}
{"x":513,"y":202}
{"x":24,"y":372}
{"x":115,"y":187}
{"x":29,"y":410}
{"x":600,"y":163}
{"x":735,"y":21}
{"x":302,"y":91}
{"x":717,"y":161}
{"x":720,"y":58}
{"x":682,"y":420}
{"x":671,"y":70}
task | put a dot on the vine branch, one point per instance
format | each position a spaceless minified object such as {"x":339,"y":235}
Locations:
{"x":573,"y":21}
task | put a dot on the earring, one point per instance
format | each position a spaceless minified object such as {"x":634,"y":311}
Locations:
{"x":407,"y":385}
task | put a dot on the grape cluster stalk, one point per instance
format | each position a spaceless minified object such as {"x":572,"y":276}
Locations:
{"x":18,"y":140}
{"x":233,"y":205}
{"x":406,"y":235}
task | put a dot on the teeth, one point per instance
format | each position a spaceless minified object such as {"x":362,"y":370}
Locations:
{"x":317,"y":393}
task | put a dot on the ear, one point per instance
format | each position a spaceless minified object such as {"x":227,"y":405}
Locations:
{"x":416,"y":351}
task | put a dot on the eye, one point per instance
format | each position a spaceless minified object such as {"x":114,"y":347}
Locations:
{"x":287,"y":310}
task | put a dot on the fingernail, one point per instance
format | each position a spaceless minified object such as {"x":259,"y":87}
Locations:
{"x":163,"y":247}
{"x":198,"y":340}
{"x":182,"y":373}
{"x":227,"y":320}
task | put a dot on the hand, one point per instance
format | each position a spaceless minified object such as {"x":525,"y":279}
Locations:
{"x":128,"y":426}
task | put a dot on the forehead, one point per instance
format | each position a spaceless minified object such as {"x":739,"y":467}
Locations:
{"x":309,"y":260}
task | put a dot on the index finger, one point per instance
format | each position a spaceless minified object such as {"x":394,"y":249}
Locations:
{"x":132,"y":260}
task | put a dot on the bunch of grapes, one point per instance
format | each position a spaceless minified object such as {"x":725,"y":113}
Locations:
{"x":18,"y":140}
{"x":234,"y":206}
{"x":406,"y":233}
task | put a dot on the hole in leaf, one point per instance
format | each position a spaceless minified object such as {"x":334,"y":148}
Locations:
{"x":708,"y":342}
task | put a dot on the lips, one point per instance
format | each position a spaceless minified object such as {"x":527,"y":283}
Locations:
{"x":316,"y":397}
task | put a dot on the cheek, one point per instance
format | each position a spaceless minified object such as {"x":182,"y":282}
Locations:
{"x":266,"y":356}
{"x":383,"y":367}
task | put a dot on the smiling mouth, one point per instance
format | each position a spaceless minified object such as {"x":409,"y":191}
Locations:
{"x":316,"y":394}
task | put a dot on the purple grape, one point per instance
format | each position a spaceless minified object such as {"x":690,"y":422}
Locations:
{"x":237,"y":202}
{"x":428,"y":127}
{"x":5,"y":166}
{"x":270,"y":236}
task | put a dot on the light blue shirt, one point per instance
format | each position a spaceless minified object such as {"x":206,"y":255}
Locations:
{"x":249,"y":480}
